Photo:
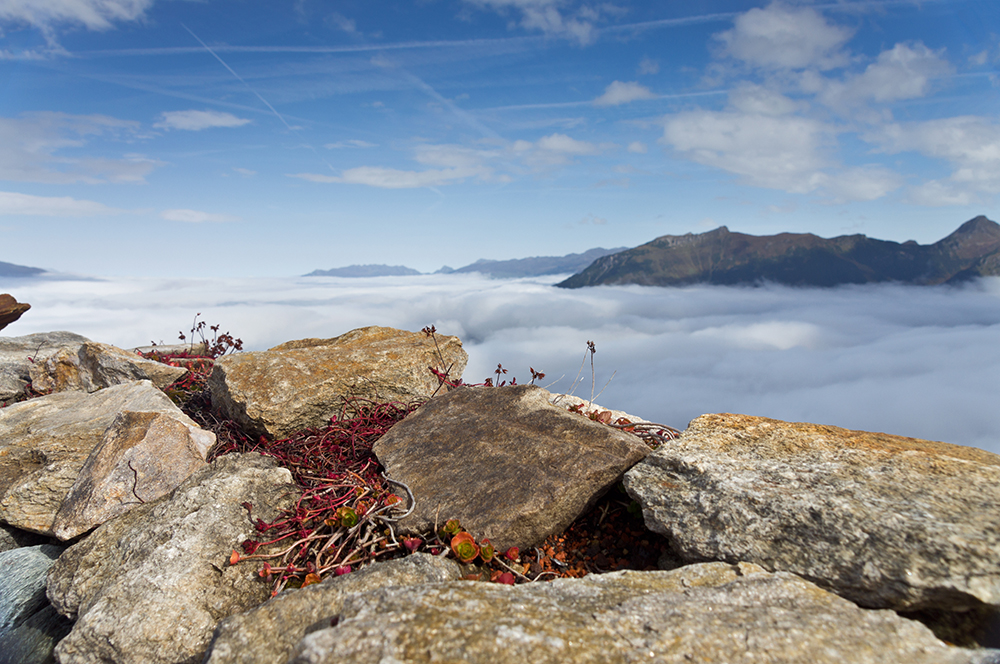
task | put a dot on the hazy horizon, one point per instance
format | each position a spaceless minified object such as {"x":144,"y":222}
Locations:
{"x":919,"y":361}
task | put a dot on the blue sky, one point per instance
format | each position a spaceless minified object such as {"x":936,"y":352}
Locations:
{"x":261,"y":138}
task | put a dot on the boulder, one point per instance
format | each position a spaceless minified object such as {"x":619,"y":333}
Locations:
{"x":269,"y":632}
{"x":44,"y":443}
{"x":711,"y":612}
{"x":141,"y":457}
{"x":150,"y":586}
{"x":15,"y":538}
{"x":885,"y":521}
{"x":300,"y":384}
{"x":18,"y":353}
{"x":29,"y":626}
{"x":505,"y":462}
{"x":10,"y":309}
{"x":94,"y":366}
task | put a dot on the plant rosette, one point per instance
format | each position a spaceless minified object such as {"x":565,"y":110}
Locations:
{"x":464,"y":547}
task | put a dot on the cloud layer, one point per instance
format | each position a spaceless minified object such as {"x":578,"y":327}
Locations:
{"x":914,"y":361}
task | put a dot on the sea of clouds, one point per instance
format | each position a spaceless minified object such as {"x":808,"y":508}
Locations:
{"x":907,"y":360}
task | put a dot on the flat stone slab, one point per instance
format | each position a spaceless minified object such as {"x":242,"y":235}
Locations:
{"x":711,"y":612}
{"x":93,"y":366}
{"x":885,"y":521}
{"x":505,"y":462}
{"x":18,"y":354}
{"x":301,"y":384}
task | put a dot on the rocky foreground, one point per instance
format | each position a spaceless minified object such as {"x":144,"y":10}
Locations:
{"x":121,"y":526}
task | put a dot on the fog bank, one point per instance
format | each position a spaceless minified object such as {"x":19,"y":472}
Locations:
{"x":913,"y":361}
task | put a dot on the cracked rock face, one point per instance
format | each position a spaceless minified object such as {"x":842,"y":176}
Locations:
{"x":301,"y":384}
{"x":505,"y":462}
{"x":885,"y":521}
{"x":711,"y":612}
{"x":150,"y":586}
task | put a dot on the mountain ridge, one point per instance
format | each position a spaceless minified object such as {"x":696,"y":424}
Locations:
{"x":722,"y":257}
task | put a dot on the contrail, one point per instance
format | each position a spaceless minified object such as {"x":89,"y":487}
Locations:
{"x":257,"y":94}
{"x":240,"y":78}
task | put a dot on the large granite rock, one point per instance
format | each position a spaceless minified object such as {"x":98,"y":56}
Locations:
{"x":505,"y":462}
{"x":268,"y":633}
{"x":29,"y":626}
{"x":885,"y":521}
{"x":150,"y":586}
{"x":141,"y":457}
{"x":300,"y":384}
{"x":10,"y":309}
{"x":93,"y":366}
{"x":17,"y":355}
{"x":44,"y":443}
{"x":711,"y":612}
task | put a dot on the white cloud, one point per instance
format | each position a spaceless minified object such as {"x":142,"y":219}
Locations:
{"x":245,"y":172}
{"x":564,"y":144}
{"x":861,"y":183}
{"x":13,"y":203}
{"x":44,"y":147}
{"x":340,"y":21}
{"x":649,"y":66}
{"x":637,"y":147}
{"x":354,"y":143}
{"x":92,"y":14}
{"x":774,"y":152}
{"x":198,"y":120}
{"x":622,"y":93}
{"x":546,"y":16}
{"x":757,"y":99}
{"x":197,"y":216}
{"x":784,"y":37}
{"x":391,"y":178}
{"x":904,"y":72}
{"x":970,"y":144}
{"x":912,"y":361}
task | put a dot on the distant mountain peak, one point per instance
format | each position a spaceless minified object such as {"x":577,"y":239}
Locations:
{"x":723,"y":257}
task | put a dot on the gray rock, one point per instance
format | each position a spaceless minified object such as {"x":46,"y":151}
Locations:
{"x":300,"y":384}
{"x":15,"y":538}
{"x":18,"y":353}
{"x":150,"y":586}
{"x":505,"y":462}
{"x":885,"y":521}
{"x":94,"y":366}
{"x":29,"y":626}
{"x":268,"y":633}
{"x":44,"y":443}
{"x":141,"y":457}
{"x":711,"y":612}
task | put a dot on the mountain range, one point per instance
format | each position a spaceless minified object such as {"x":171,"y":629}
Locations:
{"x":799,"y":259}
{"x":11,"y":270}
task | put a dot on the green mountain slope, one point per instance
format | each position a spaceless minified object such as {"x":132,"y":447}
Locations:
{"x":799,"y":259}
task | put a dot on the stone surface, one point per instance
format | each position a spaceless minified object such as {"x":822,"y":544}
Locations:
{"x":268,"y":633}
{"x":711,"y":612}
{"x":15,"y":538}
{"x":588,"y":407}
{"x":300,"y":384}
{"x":10,"y":309}
{"x":94,"y":366}
{"x":29,"y":626}
{"x":44,"y":443}
{"x":150,"y":586}
{"x":18,"y":353}
{"x":885,"y":521}
{"x":505,"y":462}
{"x":141,"y":457}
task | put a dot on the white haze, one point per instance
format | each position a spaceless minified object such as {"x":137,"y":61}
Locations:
{"x":913,"y":361}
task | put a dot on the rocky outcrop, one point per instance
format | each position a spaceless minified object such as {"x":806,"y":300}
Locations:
{"x":44,"y":443}
{"x":301,"y":384}
{"x":15,"y":538}
{"x":711,"y":613}
{"x":141,"y":457}
{"x":270,"y":632}
{"x":150,"y":586}
{"x":17,"y":355}
{"x":505,"y":462}
{"x":94,"y":366}
{"x":29,"y":626}
{"x":885,"y":521}
{"x":10,"y":309}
